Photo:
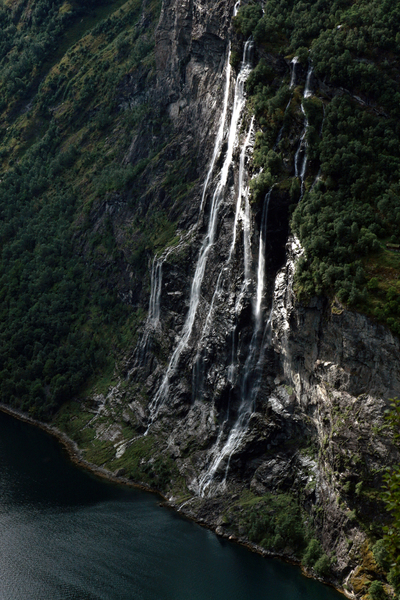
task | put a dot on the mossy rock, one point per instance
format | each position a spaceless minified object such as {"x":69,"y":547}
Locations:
{"x":359,"y":581}
{"x":368,"y":561}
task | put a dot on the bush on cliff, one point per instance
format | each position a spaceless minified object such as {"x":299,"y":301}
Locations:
{"x":376,"y":591}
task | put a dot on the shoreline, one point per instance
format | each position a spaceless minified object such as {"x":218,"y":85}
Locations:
{"x":75,"y":453}
{"x":75,"y":456}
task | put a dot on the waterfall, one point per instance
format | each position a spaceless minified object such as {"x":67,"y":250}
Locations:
{"x":283,"y":303}
{"x":251,"y":380}
{"x":246,"y":238}
{"x":209,"y":239}
{"x":294,"y":62}
{"x":317,"y":178}
{"x":261,"y":256}
{"x":300,"y":158}
{"x":220,"y":133}
{"x":245,"y":215}
{"x":243,"y":191}
{"x":153,"y":314}
{"x":307,"y":89}
{"x":155,"y":293}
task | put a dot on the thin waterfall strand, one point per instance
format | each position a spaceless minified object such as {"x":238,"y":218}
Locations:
{"x":242,"y":190}
{"x":261,"y":256}
{"x":220,"y":133}
{"x":300,"y":159}
{"x":155,"y":294}
{"x":307,"y":89}
{"x":294,"y":62}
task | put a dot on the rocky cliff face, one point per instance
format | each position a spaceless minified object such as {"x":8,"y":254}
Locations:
{"x":234,"y":391}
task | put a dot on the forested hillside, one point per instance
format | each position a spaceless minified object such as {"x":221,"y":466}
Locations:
{"x":65,"y":128}
{"x":350,"y":208}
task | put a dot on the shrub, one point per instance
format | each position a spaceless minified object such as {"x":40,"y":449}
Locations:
{"x":323,"y":566}
{"x":312,"y":553}
{"x":376,"y":591}
{"x":381,"y":555}
{"x":394,"y":579}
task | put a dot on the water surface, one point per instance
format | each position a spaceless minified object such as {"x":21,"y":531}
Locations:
{"x":66,"y":535}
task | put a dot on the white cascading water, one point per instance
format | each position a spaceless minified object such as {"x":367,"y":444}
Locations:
{"x":155,"y":294}
{"x":209,"y":239}
{"x":221,"y":453}
{"x":307,"y":89}
{"x":294,"y":62}
{"x":222,"y":123}
{"x":247,"y":258}
{"x":300,"y":158}
{"x":246,"y":238}
{"x":221,"y":128}
{"x":261,"y":256}
{"x":292,"y":82}
{"x":243,"y":191}
{"x":153,"y":314}
{"x":317,"y":178}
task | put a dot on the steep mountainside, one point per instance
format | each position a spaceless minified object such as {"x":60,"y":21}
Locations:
{"x":199,"y":279}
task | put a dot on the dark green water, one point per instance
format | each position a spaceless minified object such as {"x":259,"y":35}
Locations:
{"x":65,"y":535}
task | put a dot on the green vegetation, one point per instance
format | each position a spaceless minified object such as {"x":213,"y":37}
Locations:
{"x":275,"y":522}
{"x":351,"y":203}
{"x":142,"y":463}
{"x":66,"y":126}
{"x":391,"y":498}
{"x":279,"y":524}
{"x":381,"y":555}
{"x":376,"y":591}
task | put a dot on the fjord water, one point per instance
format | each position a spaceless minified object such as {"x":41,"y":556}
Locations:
{"x":66,"y":535}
